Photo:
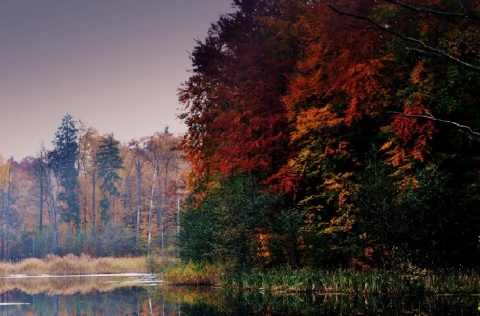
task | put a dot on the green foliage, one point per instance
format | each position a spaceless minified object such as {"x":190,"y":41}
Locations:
{"x":426,"y":223}
{"x":198,"y":229}
{"x":238,"y":224}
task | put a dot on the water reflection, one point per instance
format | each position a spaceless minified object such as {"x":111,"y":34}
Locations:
{"x":123,"y":301}
{"x":218,"y":302}
{"x":119,"y":298}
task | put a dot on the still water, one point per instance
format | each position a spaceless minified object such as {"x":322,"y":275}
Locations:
{"x":103,"y":296}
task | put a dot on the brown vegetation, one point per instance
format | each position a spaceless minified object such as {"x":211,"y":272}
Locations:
{"x":71,"y":265}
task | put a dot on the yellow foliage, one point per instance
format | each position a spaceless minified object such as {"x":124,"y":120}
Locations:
{"x":418,"y":72}
{"x":314,"y":119}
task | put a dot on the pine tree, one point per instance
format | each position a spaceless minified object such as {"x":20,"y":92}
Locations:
{"x":62,"y":160}
{"x":109,"y":162}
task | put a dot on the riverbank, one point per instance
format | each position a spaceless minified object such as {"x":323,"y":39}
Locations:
{"x":316,"y":281}
{"x":275,"y":281}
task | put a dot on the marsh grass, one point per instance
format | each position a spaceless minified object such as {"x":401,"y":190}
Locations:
{"x":346,"y":281}
{"x":353,"y":281}
{"x":71,"y":265}
{"x":62,"y":286}
{"x":193,"y":274}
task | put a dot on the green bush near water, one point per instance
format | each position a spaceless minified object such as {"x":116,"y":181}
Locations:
{"x":193,"y":274}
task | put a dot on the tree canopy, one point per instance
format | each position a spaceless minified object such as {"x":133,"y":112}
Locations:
{"x":357,"y":115}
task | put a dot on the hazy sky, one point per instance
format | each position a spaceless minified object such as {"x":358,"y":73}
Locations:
{"x":114,"y":64}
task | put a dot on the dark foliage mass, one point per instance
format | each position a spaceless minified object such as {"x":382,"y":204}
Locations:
{"x":327,"y":133}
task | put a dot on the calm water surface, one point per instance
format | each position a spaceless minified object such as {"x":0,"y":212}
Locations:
{"x":98,"y":296}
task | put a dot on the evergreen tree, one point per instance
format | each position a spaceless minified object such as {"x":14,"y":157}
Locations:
{"x":62,"y":160}
{"x":109,"y":162}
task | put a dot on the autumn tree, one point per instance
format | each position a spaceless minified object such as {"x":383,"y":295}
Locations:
{"x":41,"y":171}
{"x":89,"y":141}
{"x":6,"y":203}
{"x":135,"y":160}
{"x":234,"y":113}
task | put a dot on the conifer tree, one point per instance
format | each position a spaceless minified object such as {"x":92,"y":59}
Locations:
{"x":62,"y":160}
{"x":109,"y":162}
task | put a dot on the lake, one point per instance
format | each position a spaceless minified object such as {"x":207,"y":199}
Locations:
{"x":125,"y":296}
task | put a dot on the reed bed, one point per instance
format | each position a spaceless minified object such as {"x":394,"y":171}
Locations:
{"x":63,"y":286}
{"x":71,"y":265}
{"x":355,"y":281}
{"x":192,"y":274}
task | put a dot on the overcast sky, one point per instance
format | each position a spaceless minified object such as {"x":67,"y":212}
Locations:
{"x":114,"y":64}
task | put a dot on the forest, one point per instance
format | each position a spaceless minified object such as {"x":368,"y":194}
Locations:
{"x":92,"y":195}
{"x":335,"y":133}
{"x":320,"y":134}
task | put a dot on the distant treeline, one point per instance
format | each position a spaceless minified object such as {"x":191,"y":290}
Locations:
{"x":90,"y":194}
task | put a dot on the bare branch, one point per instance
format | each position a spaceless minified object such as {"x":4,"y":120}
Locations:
{"x":428,"y":116}
{"x":426,"y":10}
{"x":440,"y":54}
{"x":427,"y":49}
{"x":470,"y":11}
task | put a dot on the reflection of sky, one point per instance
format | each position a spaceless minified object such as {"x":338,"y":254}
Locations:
{"x":114,"y":64}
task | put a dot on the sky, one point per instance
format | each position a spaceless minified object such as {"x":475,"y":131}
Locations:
{"x":116,"y":65}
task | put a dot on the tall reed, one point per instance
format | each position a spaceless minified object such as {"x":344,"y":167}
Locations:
{"x":354,"y":281}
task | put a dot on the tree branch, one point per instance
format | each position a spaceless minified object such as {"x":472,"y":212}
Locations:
{"x":426,"y":10}
{"x":427,"y":49}
{"x":470,"y":11}
{"x":428,"y":116}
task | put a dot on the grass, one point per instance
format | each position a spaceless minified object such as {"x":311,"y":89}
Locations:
{"x":348,"y":281}
{"x":63,"y":286}
{"x":193,"y":274}
{"x":355,"y":281}
{"x":71,"y":264}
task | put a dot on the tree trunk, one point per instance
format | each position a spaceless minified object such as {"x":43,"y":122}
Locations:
{"x":139,"y":198}
{"x":94,"y":201}
{"x":40,"y":224}
{"x":85,"y":197}
{"x":7,"y":215}
{"x":150,"y":212}
{"x":2,"y":224}
{"x":165,"y":198}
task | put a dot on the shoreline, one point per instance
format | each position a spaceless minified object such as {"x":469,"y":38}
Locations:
{"x":128,"y":274}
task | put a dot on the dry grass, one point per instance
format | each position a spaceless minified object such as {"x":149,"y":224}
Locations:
{"x":63,"y":285}
{"x":71,"y":265}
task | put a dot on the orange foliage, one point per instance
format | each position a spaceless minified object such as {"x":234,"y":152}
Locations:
{"x":263,"y":245}
{"x":363,"y":83}
{"x":412,"y":133}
